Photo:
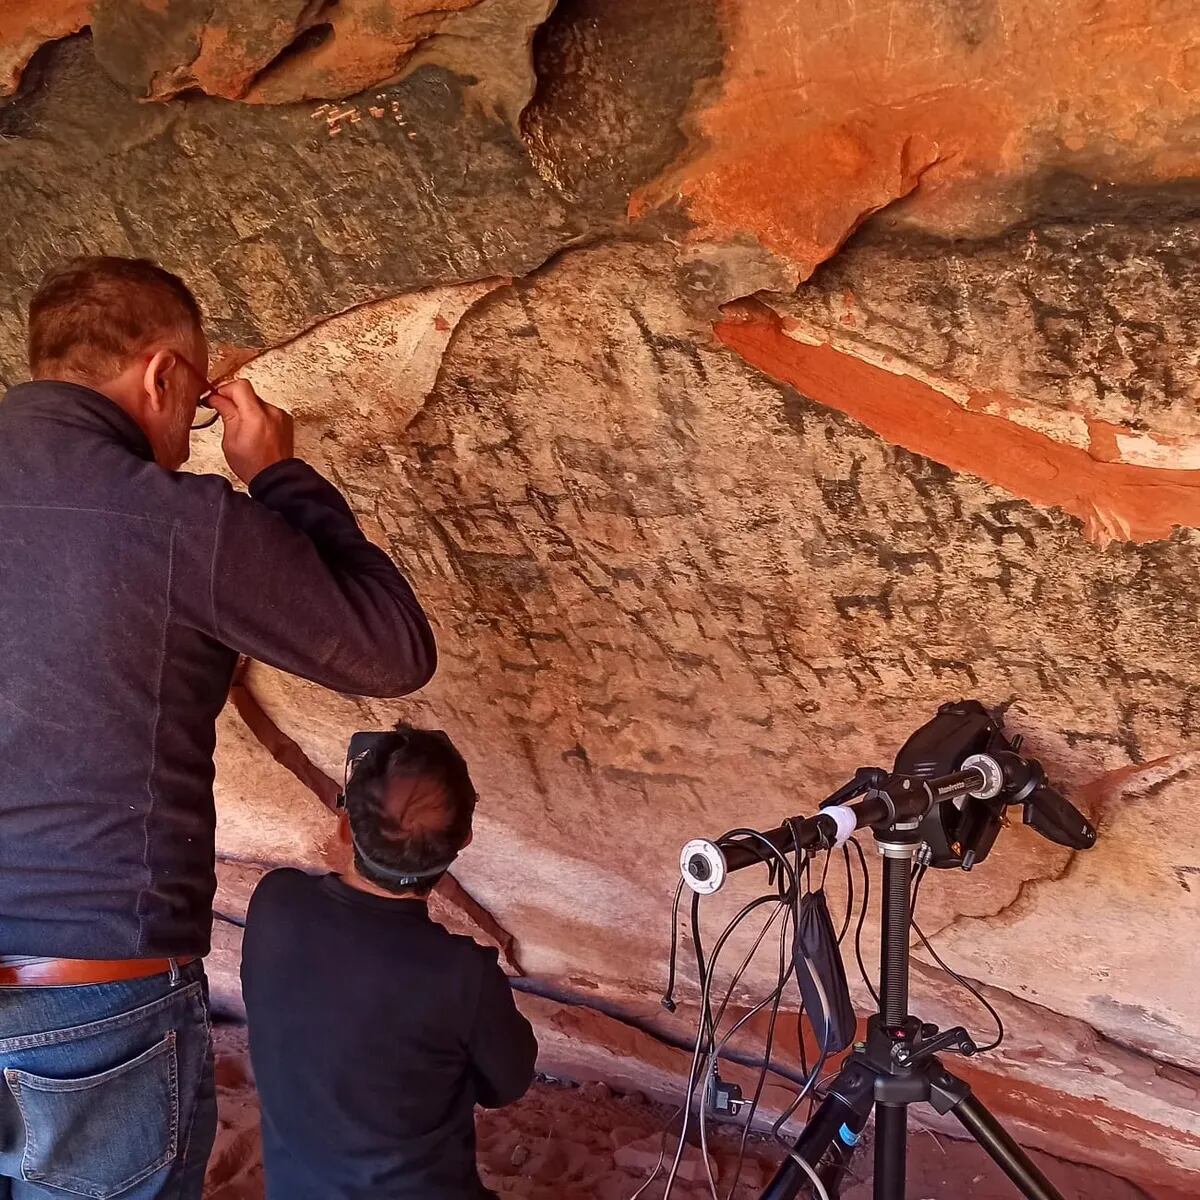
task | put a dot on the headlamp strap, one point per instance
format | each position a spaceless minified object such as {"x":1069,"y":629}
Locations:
{"x":397,"y":878}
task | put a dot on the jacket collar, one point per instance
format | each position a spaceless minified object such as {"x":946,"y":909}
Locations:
{"x":77,"y":407}
{"x":399,"y":906}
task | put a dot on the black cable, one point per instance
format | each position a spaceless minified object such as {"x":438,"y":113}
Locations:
{"x":790,"y":879}
{"x":687,"y":1099}
{"x":779,"y":856}
{"x":685,"y":1107}
{"x":706,"y":978}
{"x":720,"y":945}
{"x":993,"y":1045}
{"x":785,"y":973}
{"x":849,"y":895}
{"x":801,"y":1096}
{"x":813,"y":1075}
{"x":715,"y":1048}
{"x":741,"y":970}
{"x":705,"y":1025}
{"x":708,"y":1024}
{"x":701,"y":972}
{"x":669,"y":994}
{"x":812,"y":1078}
{"x":862,"y":918}
{"x":737,"y":976}
{"x":825,"y":872}
{"x":706,"y":1028}
{"x":712,"y":1022}
{"x":802,"y":1049}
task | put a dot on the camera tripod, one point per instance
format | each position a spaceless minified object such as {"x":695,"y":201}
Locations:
{"x":946,"y":798}
{"x":896,"y":1066}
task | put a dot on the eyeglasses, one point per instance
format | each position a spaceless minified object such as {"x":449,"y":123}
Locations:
{"x":203,"y":401}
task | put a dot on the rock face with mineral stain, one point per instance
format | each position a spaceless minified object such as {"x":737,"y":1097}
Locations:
{"x":736,"y":383}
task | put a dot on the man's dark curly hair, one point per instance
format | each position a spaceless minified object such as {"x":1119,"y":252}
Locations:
{"x":410,"y":801}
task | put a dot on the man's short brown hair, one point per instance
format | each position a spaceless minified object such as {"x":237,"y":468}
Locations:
{"x":89,"y":318}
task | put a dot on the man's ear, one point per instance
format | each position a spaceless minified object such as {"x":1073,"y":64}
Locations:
{"x":344,"y":829}
{"x":154,"y":380}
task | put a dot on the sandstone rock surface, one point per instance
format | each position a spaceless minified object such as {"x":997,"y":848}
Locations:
{"x":735,"y":383}
{"x":27,"y":25}
{"x":828,"y":112}
{"x":585,"y":1144}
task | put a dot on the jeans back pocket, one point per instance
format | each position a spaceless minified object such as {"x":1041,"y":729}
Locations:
{"x":99,"y":1135}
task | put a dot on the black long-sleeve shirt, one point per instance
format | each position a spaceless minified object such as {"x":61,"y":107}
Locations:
{"x":126,"y":594}
{"x":373,"y":1034}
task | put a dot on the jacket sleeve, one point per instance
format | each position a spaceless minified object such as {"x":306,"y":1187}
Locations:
{"x":503,"y":1048}
{"x":296,"y":585}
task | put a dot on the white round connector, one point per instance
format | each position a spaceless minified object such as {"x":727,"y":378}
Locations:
{"x":993,"y":777}
{"x":703,"y":865}
{"x":846,"y":820}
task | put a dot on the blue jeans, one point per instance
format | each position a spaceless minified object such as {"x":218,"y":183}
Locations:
{"x":107,"y":1089}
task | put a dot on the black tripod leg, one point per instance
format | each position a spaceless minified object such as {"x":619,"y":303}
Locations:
{"x":839,"y":1118}
{"x":891,"y":1150}
{"x":1007,"y":1155}
{"x":818,"y":1135}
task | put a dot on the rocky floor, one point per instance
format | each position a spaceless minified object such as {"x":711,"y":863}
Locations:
{"x":563,"y":1142}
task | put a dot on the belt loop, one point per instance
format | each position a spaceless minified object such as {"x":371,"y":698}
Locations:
{"x":175,"y":976}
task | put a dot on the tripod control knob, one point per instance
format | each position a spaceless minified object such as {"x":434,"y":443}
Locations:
{"x":993,"y":775}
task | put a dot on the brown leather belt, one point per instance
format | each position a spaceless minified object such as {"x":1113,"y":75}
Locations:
{"x":20,"y":971}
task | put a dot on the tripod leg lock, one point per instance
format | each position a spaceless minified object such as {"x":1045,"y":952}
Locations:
{"x":946,"y":1091}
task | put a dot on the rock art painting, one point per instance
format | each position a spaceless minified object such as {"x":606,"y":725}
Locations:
{"x":735,"y":383}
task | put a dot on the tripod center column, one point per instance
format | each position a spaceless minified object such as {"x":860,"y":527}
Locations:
{"x":898,"y":845}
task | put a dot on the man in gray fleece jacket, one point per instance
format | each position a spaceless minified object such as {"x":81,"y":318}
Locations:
{"x":127,"y":592}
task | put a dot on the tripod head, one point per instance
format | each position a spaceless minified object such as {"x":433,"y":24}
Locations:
{"x":941,"y":805}
{"x":961,"y":833}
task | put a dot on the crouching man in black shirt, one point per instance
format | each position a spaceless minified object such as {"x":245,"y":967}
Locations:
{"x":373,"y":1031}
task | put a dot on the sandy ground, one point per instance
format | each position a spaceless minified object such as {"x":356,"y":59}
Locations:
{"x":563,"y":1142}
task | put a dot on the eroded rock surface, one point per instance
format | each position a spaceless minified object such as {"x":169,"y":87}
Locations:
{"x":829,"y":112}
{"x":279,"y":216}
{"x":690,"y":566}
{"x":673,"y":666}
{"x":1130,"y":991}
{"x":27,"y":25}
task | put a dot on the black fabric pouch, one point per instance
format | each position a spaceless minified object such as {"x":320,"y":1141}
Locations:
{"x":821,"y":976}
